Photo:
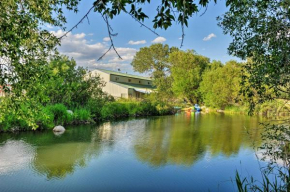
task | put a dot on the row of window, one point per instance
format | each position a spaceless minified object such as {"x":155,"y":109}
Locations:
{"x":129,"y":80}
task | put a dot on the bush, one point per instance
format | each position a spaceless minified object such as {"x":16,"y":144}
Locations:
{"x":82,"y":115}
{"x":60,"y":114}
{"x":13,"y":122}
{"x":146,"y":108}
{"x":125,"y":108}
{"x":114,"y":110}
{"x":46,"y":118}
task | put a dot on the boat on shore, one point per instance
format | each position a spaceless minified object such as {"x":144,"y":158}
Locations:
{"x":197,"y":108}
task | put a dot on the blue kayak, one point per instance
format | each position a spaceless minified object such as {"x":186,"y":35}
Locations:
{"x":197,"y":107}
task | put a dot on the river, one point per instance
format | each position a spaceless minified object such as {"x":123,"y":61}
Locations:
{"x":184,"y":152}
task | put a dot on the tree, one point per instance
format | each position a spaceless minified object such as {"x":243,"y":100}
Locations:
{"x":260,"y":31}
{"x":24,"y":51}
{"x":25,"y":46}
{"x":186,"y":71}
{"x":154,"y":60}
{"x":68,"y":84}
{"x":221,"y":84}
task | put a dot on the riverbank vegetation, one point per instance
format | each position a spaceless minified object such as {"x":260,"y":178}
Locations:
{"x":43,"y":89}
{"x":183,"y":78}
{"x":67,"y":94}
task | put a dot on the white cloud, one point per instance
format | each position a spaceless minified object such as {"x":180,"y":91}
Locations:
{"x":86,"y":53}
{"x":136,"y":42}
{"x":80,"y":35}
{"x":180,"y":38}
{"x":127,"y":54}
{"x":106,"y":39}
{"x":159,"y":40}
{"x":113,"y":66}
{"x":209,"y":37}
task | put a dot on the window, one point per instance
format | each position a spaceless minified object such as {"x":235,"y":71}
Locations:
{"x":129,"y":80}
{"x":139,"y":81}
{"x":117,"y":78}
{"x":148,"y":83}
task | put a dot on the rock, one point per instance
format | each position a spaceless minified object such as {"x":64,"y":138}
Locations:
{"x":58,"y":133}
{"x":15,"y":129}
{"x":59,"y":128}
{"x":70,"y":112}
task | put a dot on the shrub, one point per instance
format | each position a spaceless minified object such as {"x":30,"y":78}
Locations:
{"x":11,"y":122}
{"x":147,"y":108}
{"x":46,"y":118}
{"x":114,"y":110}
{"x":60,"y":114}
{"x":82,"y":114}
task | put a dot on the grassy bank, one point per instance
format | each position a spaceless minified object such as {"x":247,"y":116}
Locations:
{"x":59,"y":114}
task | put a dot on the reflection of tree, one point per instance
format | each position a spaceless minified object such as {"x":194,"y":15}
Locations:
{"x":60,"y":156}
{"x":185,"y":139}
{"x":56,"y":161}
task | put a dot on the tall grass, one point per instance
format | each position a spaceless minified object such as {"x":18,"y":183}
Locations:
{"x":82,"y":115}
{"x":250,"y":184}
{"x":57,"y":114}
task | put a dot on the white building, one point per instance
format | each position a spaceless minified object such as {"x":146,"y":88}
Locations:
{"x":121,"y":85}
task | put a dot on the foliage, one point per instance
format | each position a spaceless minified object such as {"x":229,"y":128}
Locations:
{"x":69,"y":85}
{"x":95,"y":105}
{"x":154,"y":60}
{"x":167,"y":12}
{"x":275,"y":150}
{"x":24,"y":45}
{"x":236,"y":109}
{"x":260,"y":31}
{"x":221,"y":84}
{"x":22,"y":117}
{"x":60,"y":114}
{"x":250,"y":184}
{"x":82,"y":114}
{"x":273,"y":108}
{"x":24,"y":51}
{"x":186,"y":71}
{"x":126,"y":108}
{"x":114,"y":110}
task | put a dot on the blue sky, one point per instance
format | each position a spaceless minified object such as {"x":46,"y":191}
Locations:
{"x":88,"y":42}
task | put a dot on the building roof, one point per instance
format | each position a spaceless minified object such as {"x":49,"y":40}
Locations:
{"x":134,"y":86}
{"x":124,"y":74}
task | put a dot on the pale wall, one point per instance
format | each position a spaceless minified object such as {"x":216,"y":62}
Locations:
{"x":122,"y":79}
{"x":110,"y":87}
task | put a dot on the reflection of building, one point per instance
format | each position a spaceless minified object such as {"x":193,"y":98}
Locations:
{"x":106,"y":132}
{"x":124,"y":85}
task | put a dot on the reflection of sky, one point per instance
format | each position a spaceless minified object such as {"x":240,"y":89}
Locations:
{"x":190,"y":152}
{"x":14,"y":156}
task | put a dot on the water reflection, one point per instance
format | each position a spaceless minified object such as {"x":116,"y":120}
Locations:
{"x":66,"y":154}
{"x":50,"y":155}
{"x":175,"y":141}
{"x":178,"y":140}
{"x":14,"y":156}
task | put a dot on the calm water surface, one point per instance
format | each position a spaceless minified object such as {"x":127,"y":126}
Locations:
{"x":185,"y":152}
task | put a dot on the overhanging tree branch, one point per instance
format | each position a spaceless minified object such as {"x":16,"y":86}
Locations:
{"x":75,"y":26}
